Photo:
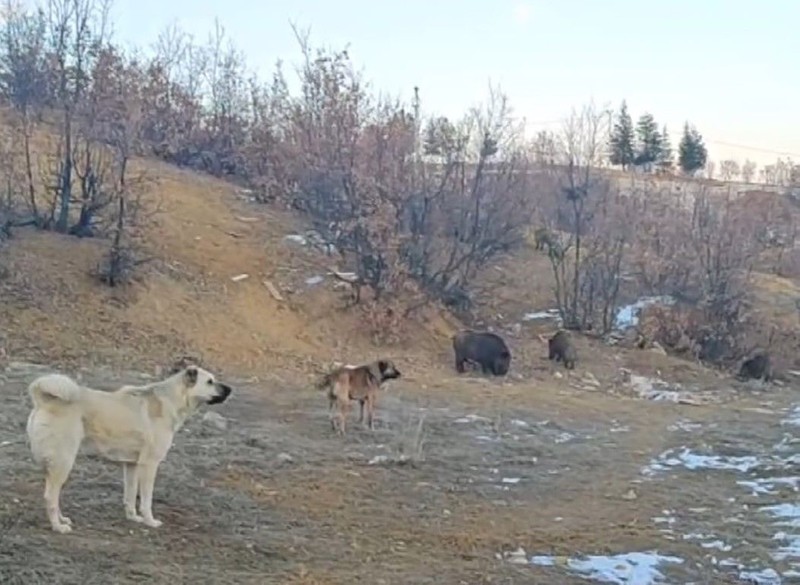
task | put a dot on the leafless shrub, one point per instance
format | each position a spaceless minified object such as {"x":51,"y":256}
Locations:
{"x":472,"y":200}
{"x":408,"y":443}
{"x":589,"y":265}
{"x":703,"y":252}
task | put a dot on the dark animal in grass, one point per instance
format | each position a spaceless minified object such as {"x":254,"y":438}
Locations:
{"x":486,"y":349}
{"x":545,"y":238}
{"x":561,"y":348}
{"x":757,"y":367}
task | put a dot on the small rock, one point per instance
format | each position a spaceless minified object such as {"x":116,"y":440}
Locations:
{"x":517,"y":557}
{"x":630,"y":495}
{"x":658,"y":348}
{"x":625,"y":375}
{"x":558,"y":375}
{"x":215,"y":419}
{"x":590,"y":379}
{"x":285,"y":458}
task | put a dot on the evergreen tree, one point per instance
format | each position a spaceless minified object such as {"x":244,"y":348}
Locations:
{"x":692,"y":152}
{"x":665,"y":160}
{"x":649,"y":141}
{"x":621,"y":142}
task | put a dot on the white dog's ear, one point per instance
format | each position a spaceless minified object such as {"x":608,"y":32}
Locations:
{"x":190,"y":376}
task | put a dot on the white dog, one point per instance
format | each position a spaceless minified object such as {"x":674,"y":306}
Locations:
{"x":134,"y":425}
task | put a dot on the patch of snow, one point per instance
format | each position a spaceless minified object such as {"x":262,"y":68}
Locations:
{"x":655,"y":389}
{"x":693,"y":461}
{"x":763,"y":577}
{"x":767,"y":485}
{"x":539,"y":315}
{"x":685,"y":426}
{"x":511,"y":480}
{"x":471,"y":418}
{"x":786,"y":443}
{"x":312,"y":280}
{"x":794,"y":417}
{"x":628,"y":316}
{"x":637,"y":568}
{"x":710,"y":541}
{"x":563,"y":437}
{"x":717,"y":544}
{"x":296,"y":238}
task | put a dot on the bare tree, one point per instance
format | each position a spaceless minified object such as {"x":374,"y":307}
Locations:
{"x":24,"y":78}
{"x":729,"y":170}
{"x":710,"y":169}
{"x":748,"y":171}
{"x":77,"y":30}
{"x":584,"y":190}
{"x":121,"y":122}
{"x":473,"y":200}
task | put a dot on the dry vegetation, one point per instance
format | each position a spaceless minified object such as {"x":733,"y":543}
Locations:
{"x":135,"y":188}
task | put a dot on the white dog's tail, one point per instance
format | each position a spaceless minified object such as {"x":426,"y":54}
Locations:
{"x":54,"y":386}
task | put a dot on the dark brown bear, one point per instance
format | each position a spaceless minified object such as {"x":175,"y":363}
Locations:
{"x":486,"y":349}
{"x":757,"y":367}
{"x":560,"y":348}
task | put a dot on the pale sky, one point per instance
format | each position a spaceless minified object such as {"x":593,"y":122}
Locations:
{"x":728,"y":66}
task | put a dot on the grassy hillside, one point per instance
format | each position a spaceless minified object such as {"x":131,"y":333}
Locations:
{"x":184,"y":300}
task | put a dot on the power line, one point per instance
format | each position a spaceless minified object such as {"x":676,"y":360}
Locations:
{"x":755,"y":148}
{"x":718,"y":142}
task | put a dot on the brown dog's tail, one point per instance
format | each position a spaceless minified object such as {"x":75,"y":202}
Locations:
{"x":324,"y":381}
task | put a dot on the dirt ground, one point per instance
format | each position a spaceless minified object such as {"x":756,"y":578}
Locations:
{"x":493,"y":466}
{"x":460,"y":473}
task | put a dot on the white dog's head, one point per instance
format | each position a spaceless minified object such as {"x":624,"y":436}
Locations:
{"x":201,"y":386}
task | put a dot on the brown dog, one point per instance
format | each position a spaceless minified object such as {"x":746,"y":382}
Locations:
{"x":360,"y":383}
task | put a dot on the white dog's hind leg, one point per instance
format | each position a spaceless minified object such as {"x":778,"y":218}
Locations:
{"x":146,"y":473}
{"x":56,"y":477}
{"x":131,"y":488}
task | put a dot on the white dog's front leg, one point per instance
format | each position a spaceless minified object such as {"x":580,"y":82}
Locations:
{"x":131,"y":489}
{"x":146,"y":473}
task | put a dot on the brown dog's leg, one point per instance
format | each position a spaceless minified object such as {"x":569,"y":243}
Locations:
{"x":331,"y":415}
{"x":344,"y":408}
{"x":371,"y":398}
{"x":361,"y":411}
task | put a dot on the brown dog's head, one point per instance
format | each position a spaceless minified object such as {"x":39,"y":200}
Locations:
{"x":388,"y":371}
{"x":201,"y":387}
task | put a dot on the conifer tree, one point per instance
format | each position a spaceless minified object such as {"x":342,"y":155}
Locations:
{"x":648,"y":148}
{"x":622,"y":136}
{"x":692,"y":152}
{"x":665,"y":160}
